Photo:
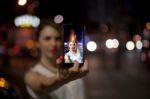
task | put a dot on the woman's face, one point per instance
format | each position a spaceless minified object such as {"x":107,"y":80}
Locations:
{"x":50,"y":42}
{"x":72,"y":46}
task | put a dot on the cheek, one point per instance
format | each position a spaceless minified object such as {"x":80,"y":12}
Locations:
{"x":69,"y":46}
{"x":59,"y":45}
{"x":43,"y":45}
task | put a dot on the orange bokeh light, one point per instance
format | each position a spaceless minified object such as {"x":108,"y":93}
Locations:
{"x":2,"y":82}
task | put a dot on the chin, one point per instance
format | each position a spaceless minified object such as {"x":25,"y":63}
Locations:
{"x":50,"y":55}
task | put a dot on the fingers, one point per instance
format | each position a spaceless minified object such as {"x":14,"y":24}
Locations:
{"x":85,"y":68}
{"x":86,"y":65}
{"x":74,"y":72}
{"x":75,"y":68}
{"x":63,"y":74}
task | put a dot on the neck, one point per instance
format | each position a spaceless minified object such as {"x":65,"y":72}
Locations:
{"x":49,"y":63}
{"x":74,"y":52}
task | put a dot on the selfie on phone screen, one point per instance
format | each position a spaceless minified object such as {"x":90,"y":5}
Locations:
{"x":73,"y":43}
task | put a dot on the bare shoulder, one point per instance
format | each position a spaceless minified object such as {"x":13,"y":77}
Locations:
{"x":29,"y":75}
{"x":33,"y":80}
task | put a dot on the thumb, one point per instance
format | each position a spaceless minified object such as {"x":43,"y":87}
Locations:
{"x":59,"y":60}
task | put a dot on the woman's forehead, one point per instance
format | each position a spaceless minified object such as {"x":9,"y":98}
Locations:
{"x":49,"y":31}
{"x":72,"y":43}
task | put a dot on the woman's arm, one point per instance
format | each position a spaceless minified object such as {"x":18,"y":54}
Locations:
{"x":39,"y":83}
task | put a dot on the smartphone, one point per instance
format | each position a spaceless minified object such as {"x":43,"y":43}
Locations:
{"x":74,"y":44}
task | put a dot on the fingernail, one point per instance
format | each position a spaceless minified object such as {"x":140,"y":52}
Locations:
{"x":61,"y":58}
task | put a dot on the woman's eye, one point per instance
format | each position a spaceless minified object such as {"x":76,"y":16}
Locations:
{"x":47,"y":38}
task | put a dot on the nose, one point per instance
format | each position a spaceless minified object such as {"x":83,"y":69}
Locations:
{"x":53,"y":43}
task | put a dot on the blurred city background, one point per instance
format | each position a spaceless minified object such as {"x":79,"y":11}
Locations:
{"x":117,"y":43}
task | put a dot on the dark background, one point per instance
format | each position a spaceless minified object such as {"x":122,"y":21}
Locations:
{"x":114,"y":73}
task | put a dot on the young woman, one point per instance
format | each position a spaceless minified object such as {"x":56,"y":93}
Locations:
{"x":48,"y":79}
{"x":73,"y":53}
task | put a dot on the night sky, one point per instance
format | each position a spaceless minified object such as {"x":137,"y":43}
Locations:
{"x":75,"y":11}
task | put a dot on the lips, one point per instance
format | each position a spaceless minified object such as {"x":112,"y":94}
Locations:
{"x":53,"y":50}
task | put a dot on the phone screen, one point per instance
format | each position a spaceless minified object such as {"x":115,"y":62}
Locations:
{"x":73,"y":43}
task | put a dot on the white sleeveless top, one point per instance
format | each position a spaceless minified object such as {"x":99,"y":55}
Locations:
{"x":73,"y":57}
{"x":71,"y":90}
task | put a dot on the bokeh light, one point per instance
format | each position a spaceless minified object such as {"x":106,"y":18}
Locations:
{"x":58,"y":19}
{"x":35,"y":22}
{"x":130,"y":45}
{"x":2,"y":82}
{"x":30,"y":44}
{"x":27,"y":21}
{"x":91,"y":46}
{"x":112,"y":43}
{"x":139,"y":45}
{"x":22,"y":2}
{"x":104,"y":28}
{"x":16,"y":49}
{"x":137,"y":38}
{"x":148,"y":25}
{"x":146,"y":43}
{"x":109,"y":43}
{"x":115,"y":43}
{"x":146,"y":33}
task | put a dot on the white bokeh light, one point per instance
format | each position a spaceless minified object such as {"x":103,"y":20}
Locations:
{"x":22,"y":2}
{"x":130,"y":45}
{"x":115,"y":43}
{"x":27,"y":21}
{"x":109,"y":43}
{"x":35,"y":22}
{"x":139,"y":45}
{"x":91,"y":46}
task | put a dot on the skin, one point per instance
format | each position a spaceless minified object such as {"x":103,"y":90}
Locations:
{"x":50,"y":45}
{"x":73,"y":49}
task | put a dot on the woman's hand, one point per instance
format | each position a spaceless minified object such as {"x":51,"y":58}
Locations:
{"x":72,"y":73}
{"x":40,"y":83}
